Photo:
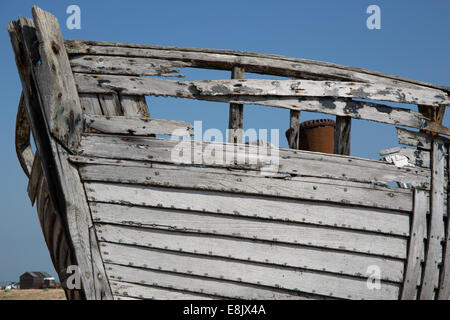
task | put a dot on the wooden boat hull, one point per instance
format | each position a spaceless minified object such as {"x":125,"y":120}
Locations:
{"x":143,"y":217}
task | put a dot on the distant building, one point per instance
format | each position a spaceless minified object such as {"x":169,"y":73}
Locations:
{"x":36,"y":280}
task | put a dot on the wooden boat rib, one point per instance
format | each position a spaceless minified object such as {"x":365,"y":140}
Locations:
{"x":142,"y":221}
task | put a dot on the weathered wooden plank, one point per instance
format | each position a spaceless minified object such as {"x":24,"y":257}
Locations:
{"x":148,"y":292}
{"x":247,"y":272}
{"x":22,"y":138}
{"x":253,"y":62}
{"x":310,"y":88}
{"x":436,"y":225}
{"x":203,"y":285}
{"x":245,"y":250}
{"x":417,"y":139}
{"x":237,"y":226}
{"x":23,"y":36}
{"x":342,"y":135}
{"x":186,"y":89}
{"x":433,"y":114}
{"x":316,"y":213}
{"x":134,"y":106}
{"x":36,"y":173}
{"x":293,"y":132}
{"x":257,"y":87}
{"x":198,"y":179}
{"x":416,"y":246}
{"x":125,"y":66}
{"x":79,"y":222}
{"x":119,"y":297}
{"x":110,"y":104}
{"x":415,"y":157}
{"x":55,"y":81}
{"x":444,"y":288}
{"x":90,"y":104}
{"x":236,"y":114}
{"x":138,"y":126}
{"x":252,"y":158}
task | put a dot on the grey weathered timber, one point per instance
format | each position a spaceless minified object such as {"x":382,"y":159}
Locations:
{"x":90,"y":104}
{"x":23,"y":36}
{"x":79,"y":223}
{"x":138,"y":126}
{"x":55,"y":82}
{"x":186,"y":89}
{"x":342,"y":135}
{"x":444,"y":288}
{"x":253,"y":62}
{"x":125,"y":66}
{"x":282,"y":231}
{"x":34,"y":179}
{"x":417,"y":139}
{"x":293,"y":133}
{"x":208,"y":286}
{"x":110,"y":104}
{"x":258,"y":87}
{"x":436,"y":224}
{"x":236,"y":114}
{"x":356,"y":218}
{"x":270,"y":253}
{"x":134,"y":106}
{"x":198,"y":179}
{"x":22,"y":139}
{"x":149,"y":292}
{"x":416,"y":246}
{"x":416,"y":157}
{"x":51,"y":213}
{"x":289,"y":161}
{"x":247,"y":272}
{"x":310,"y":88}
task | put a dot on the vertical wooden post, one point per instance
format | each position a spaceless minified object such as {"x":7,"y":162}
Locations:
{"x":416,"y":245}
{"x":294,"y":129}
{"x":436,"y":224}
{"x":434,"y":114}
{"x":236,"y":112}
{"x":444,"y":288}
{"x":342,"y":135}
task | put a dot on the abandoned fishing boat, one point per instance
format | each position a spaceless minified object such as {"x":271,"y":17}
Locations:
{"x":145,"y":214}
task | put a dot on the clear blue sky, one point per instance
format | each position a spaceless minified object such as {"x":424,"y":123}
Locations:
{"x":413,"y":42}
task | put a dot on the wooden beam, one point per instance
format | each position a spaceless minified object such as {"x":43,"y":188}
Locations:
{"x":416,"y":246}
{"x":56,"y":84}
{"x":262,"y":87}
{"x":336,"y":106}
{"x":420,"y":140}
{"x":236,"y":115}
{"x":436,"y":224}
{"x":293,"y":133}
{"x":342,"y":135}
{"x":71,"y":216}
{"x":252,"y":62}
{"x":444,"y":288}
{"x":138,"y":126}
{"x":125,"y":66}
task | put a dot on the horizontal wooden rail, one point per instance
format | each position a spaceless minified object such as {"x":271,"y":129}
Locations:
{"x":418,"y":139}
{"x":290,"y":161}
{"x":136,"y":126}
{"x":252,"y":62}
{"x":301,"y":100}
